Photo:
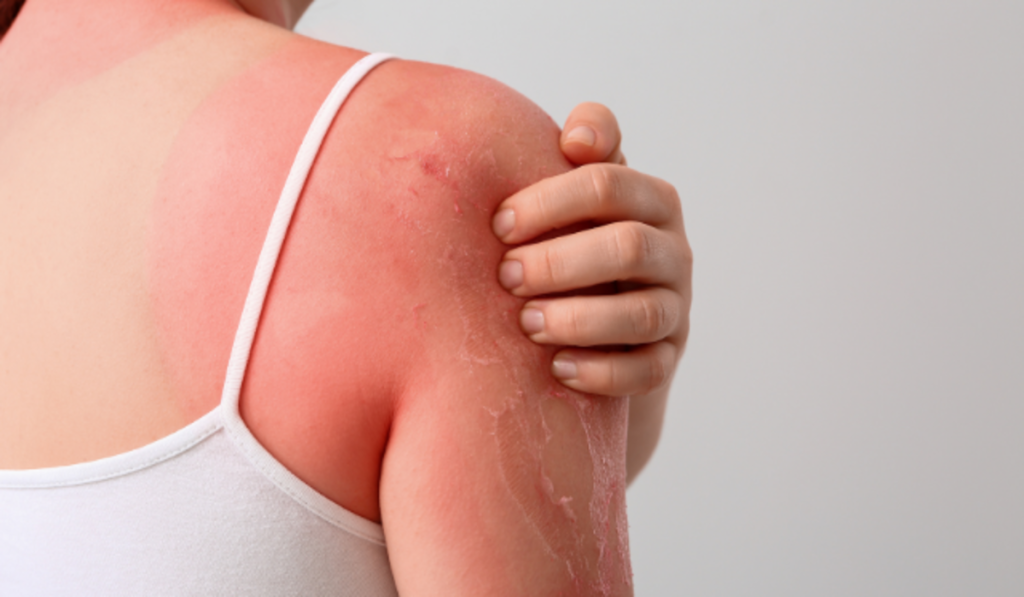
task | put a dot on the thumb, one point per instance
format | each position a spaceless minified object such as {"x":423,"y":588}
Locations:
{"x":591,"y":134}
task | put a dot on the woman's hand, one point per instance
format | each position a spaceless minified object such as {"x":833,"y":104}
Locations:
{"x":628,"y":342}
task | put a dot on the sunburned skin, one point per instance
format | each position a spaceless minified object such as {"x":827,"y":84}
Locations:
{"x":389,"y":371}
{"x":592,"y":508}
{"x":217,"y":191}
{"x":533,"y":426}
{"x":577,"y":513}
{"x":588,"y":500}
{"x":317,"y":390}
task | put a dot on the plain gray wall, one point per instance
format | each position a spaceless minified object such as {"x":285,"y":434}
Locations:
{"x":849,"y":417}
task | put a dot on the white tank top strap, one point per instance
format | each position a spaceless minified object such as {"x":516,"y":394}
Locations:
{"x":246,"y":332}
{"x":205,"y":510}
{"x":282,"y":218}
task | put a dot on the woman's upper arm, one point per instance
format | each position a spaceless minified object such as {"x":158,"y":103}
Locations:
{"x":502,"y":484}
{"x":497,"y":480}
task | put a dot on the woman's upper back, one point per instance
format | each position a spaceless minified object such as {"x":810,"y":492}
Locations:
{"x":136,"y":186}
{"x":135,"y":200}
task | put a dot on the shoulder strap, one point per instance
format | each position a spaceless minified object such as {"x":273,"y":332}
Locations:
{"x":275,"y":235}
{"x":276,"y":472}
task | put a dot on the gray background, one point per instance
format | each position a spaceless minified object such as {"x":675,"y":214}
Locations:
{"x":848,"y":418}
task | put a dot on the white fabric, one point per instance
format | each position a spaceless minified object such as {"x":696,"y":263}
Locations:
{"x":206,"y":510}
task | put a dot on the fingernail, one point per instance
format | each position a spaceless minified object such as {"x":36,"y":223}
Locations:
{"x":511,"y":274}
{"x":504,"y":222}
{"x":532,"y":321}
{"x":564,"y":368}
{"x":582,"y":134}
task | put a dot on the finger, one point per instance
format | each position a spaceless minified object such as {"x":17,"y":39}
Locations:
{"x":638,"y":317}
{"x":597,"y":193}
{"x":642,"y":371}
{"x":591,"y":134}
{"x":619,"y":251}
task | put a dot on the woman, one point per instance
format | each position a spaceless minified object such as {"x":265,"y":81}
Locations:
{"x":144,"y":149}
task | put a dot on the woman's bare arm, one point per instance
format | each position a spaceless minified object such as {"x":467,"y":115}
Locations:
{"x":497,"y":479}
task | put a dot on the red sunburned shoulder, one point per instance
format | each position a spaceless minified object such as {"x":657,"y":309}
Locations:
{"x":498,"y":480}
{"x":509,"y":481}
{"x":388,"y":264}
{"x":399,"y":200}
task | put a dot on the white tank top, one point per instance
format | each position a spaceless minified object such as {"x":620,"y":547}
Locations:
{"x":206,"y":510}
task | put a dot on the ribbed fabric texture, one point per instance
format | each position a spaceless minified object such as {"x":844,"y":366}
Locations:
{"x":206,"y":510}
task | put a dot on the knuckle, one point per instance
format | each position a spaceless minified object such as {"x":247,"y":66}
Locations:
{"x":653,"y":319}
{"x":550,"y":267}
{"x":686,"y":253}
{"x":687,"y":257}
{"x":681,"y":254}
{"x":632,"y":246}
{"x":670,"y":206}
{"x":606,"y":182}
{"x":544,"y":204}
{"x":669,"y":194}
{"x":573,"y":321}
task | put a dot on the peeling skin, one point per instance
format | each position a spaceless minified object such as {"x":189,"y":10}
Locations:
{"x":419,"y":187}
{"x":578,"y":514}
{"x":561,"y":454}
{"x":591,"y":508}
{"x":351,"y":309}
{"x":305,"y":380}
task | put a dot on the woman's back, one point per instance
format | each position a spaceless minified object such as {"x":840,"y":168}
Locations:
{"x":135,"y":202}
{"x":134,"y":199}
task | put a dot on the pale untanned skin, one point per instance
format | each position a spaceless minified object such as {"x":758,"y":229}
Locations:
{"x":389,"y":371}
{"x":74,"y":236}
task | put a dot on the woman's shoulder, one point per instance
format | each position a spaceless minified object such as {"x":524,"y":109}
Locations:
{"x":389,"y":257}
{"x":412,"y":172}
{"x":402,"y":195}
{"x":496,"y":478}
